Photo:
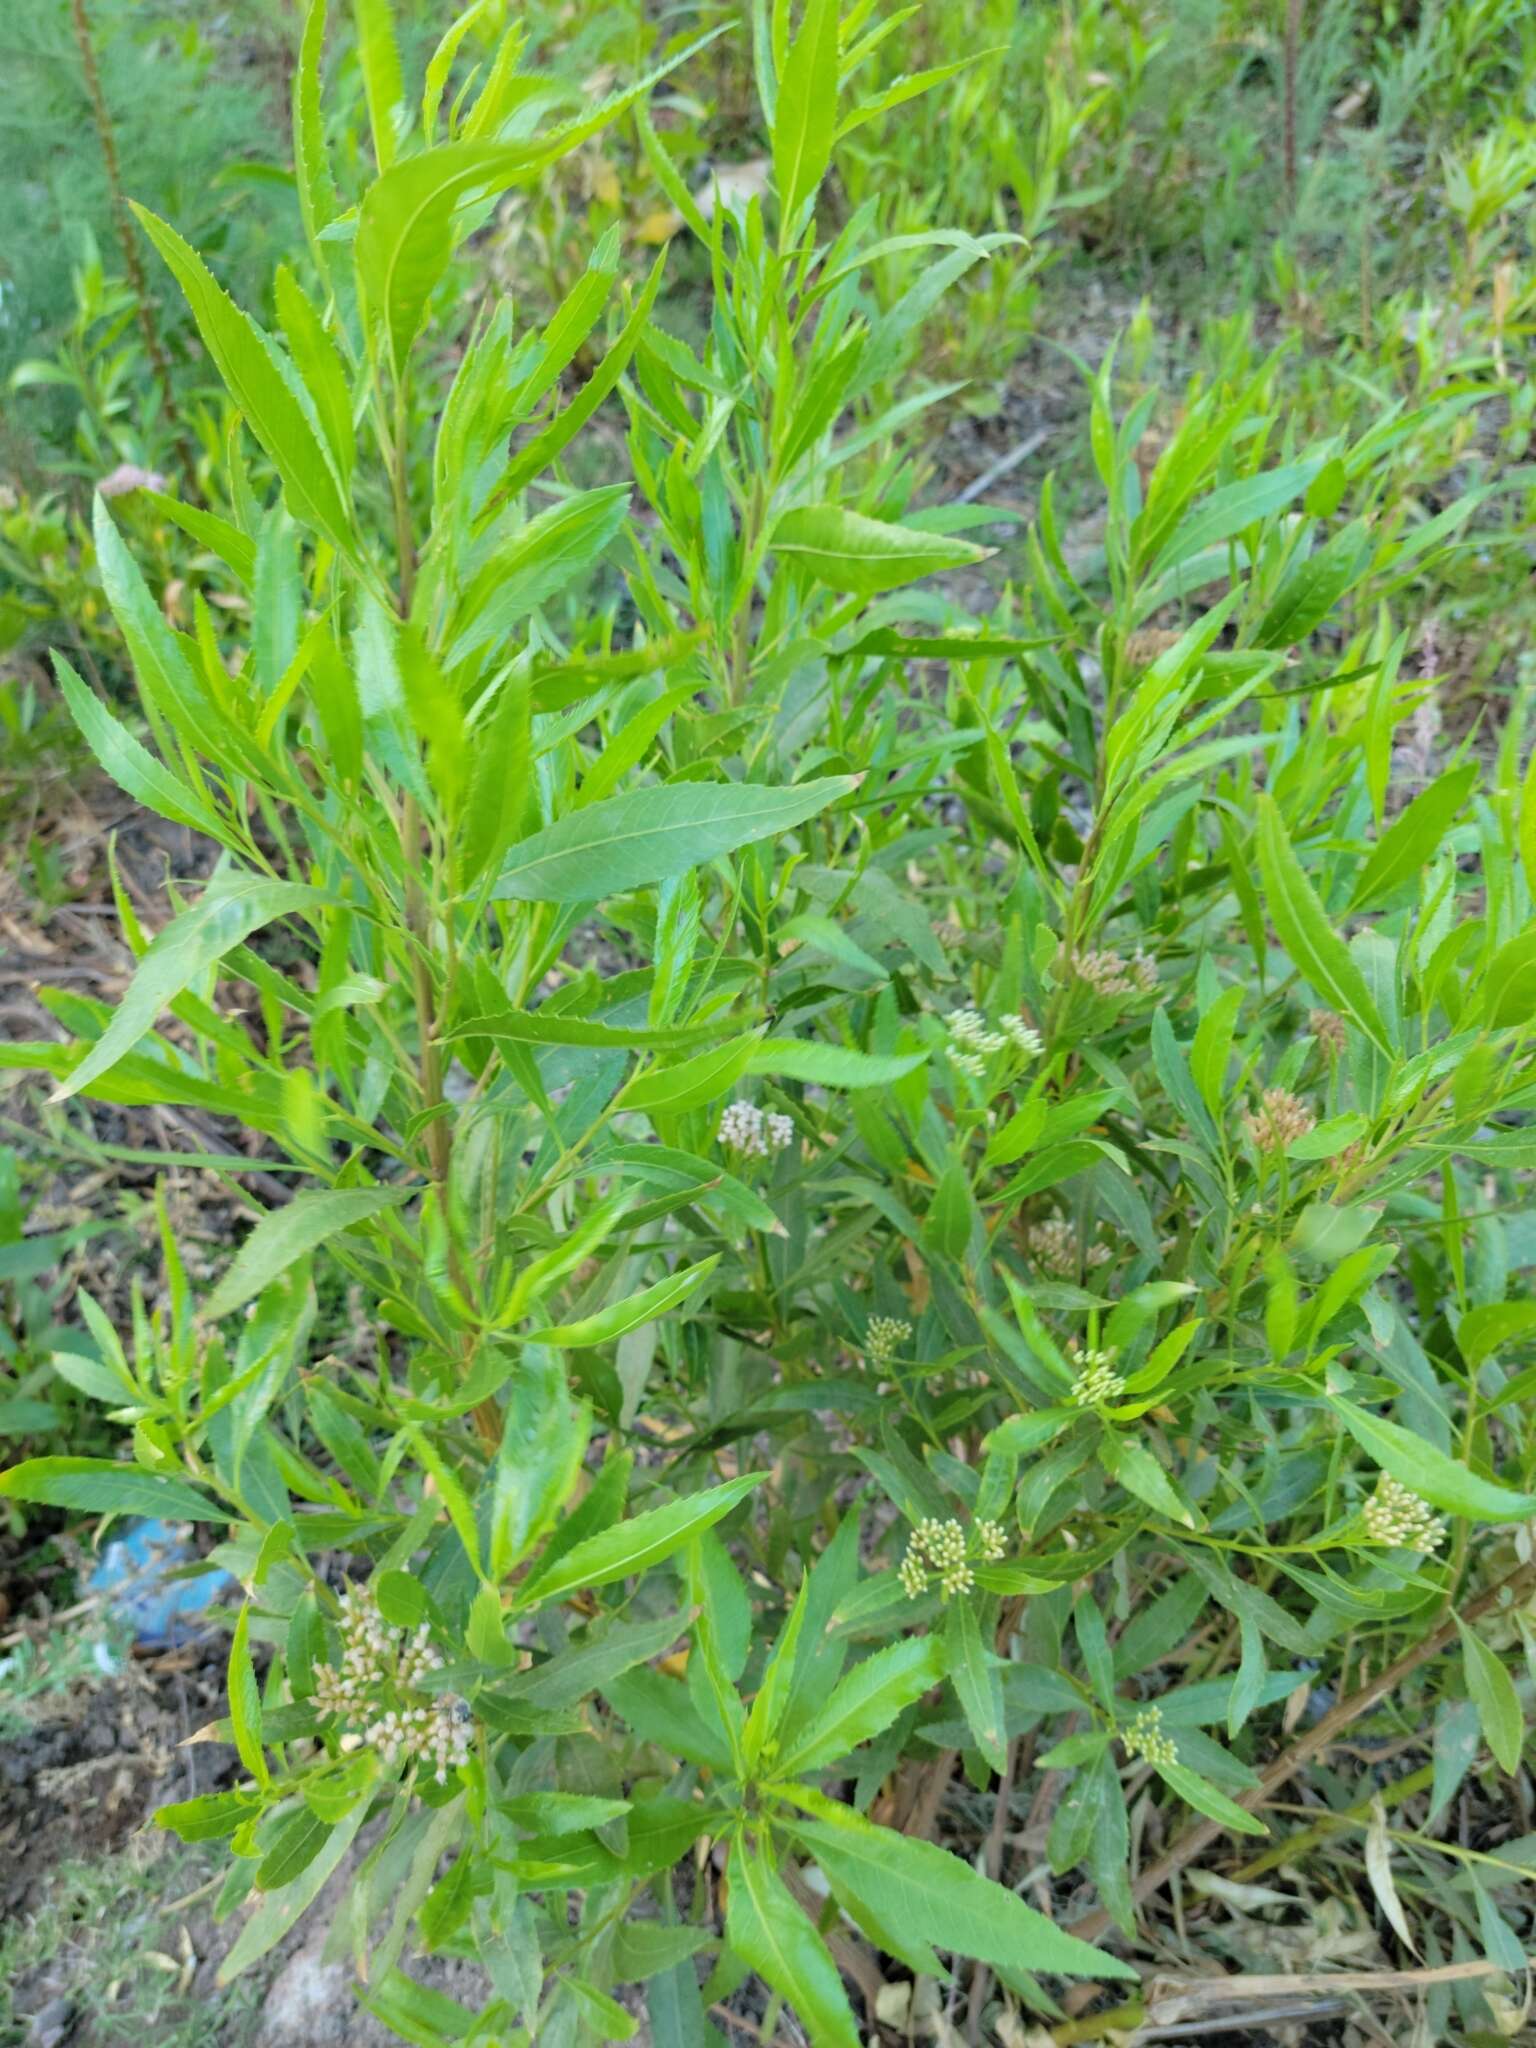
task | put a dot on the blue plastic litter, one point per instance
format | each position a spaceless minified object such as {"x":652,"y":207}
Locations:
{"x":134,"y":1575}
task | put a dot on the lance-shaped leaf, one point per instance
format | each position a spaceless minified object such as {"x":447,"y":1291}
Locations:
{"x":772,"y":1936}
{"x":101,"y":1486}
{"x":629,"y":841}
{"x":251,"y":368}
{"x":923,"y":1893}
{"x":634,"y":1546}
{"x":1305,"y":931}
{"x":285,"y":1235}
{"x":1415,"y":1463}
{"x":227,"y":914}
{"x":865,"y":556}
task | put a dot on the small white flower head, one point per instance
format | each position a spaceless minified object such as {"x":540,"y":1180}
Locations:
{"x":1023,"y":1037}
{"x":884,"y":1337}
{"x":1144,"y":1737}
{"x":969,"y":1029}
{"x":1399,"y":1519}
{"x":990,"y":1540}
{"x":378,"y":1687}
{"x":746,"y":1129}
{"x":971,"y":1063}
{"x":1096,"y":1381}
{"x":1280,"y":1120}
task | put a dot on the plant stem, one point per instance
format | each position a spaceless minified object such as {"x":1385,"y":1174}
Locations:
{"x":1292,"y":55}
{"x":101,"y":117}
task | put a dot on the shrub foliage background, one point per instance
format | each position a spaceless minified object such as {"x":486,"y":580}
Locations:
{"x":925,"y":1186}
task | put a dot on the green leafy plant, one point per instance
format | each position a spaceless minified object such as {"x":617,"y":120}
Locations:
{"x":912,"y":1164}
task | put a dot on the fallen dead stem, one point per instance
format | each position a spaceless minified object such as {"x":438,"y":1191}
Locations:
{"x":1301,"y":1752}
{"x":1304,"y":1996}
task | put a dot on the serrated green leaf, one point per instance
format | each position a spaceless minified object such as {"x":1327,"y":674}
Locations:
{"x":286,"y":1234}
{"x":101,"y":1486}
{"x":773,"y":1937}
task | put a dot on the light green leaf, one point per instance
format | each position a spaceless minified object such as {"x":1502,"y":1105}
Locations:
{"x":546,"y":1027}
{"x":629,"y":1313}
{"x":865,"y":1702}
{"x":383,"y":85}
{"x":863,"y":557}
{"x":1482,"y":1331}
{"x":1305,"y":931}
{"x":405,"y":228}
{"x":1212,"y":1048}
{"x":1416,"y":1464}
{"x":772,"y":1936}
{"x":280,"y":1911}
{"x":311,"y":168}
{"x":132,"y":767}
{"x":100,"y":1486}
{"x":544,"y":1438}
{"x":977,"y":1681}
{"x":1140,"y":1473}
{"x":1498,"y":1704}
{"x":190,"y":944}
{"x":925,"y":1894}
{"x":805,"y":118}
{"x":830,"y":1066}
{"x":286,"y":1234}
{"x":629,"y":841}
{"x":1233,"y":507}
{"x":686,"y":1084}
{"x":245,"y":1700}
{"x":1408,"y":844}
{"x":634,"y":1546}
{"x":1204,"y":1798}
{"x":247,"y":362}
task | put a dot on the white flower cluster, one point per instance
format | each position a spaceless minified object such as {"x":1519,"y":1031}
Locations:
{"x":1053,"y":1246}
{"x":943,"y":1548}
{"x":884,"y":1337}
{"x":755,"y":1134}
{"x":972,"y":1040}
{"x":1109,"y":974}
{"x":380,"y":1668}
{"x":1097,"y":1381}
{"x":1144,"y":1737}
{"x":1401,"y":1520}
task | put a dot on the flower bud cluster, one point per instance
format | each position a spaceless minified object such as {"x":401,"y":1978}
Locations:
{"x":1328,"y":1029}
{"x":884,"y":1337}
{"x":1097,"y":1381}
{"x":972,"y":1040}
{"x":1398,"y":1518}
{"x":1111,"y":975}
{"x":1280,"y":1120}
{"x":1144,"y":646}
{"x":754,"y":1133}
{"x":1053,"y":1246}
{"x":377,"y":1685}
{"x":1145,"y":1737}
{"x":945,"y":1550}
